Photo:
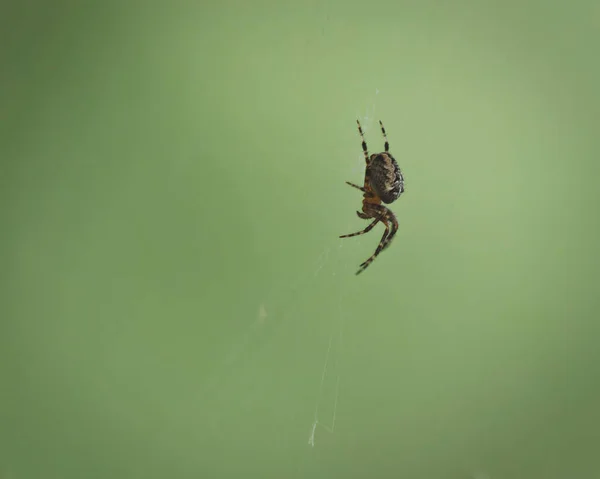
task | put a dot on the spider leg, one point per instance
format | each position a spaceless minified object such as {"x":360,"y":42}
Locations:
{"x":364,"y":143}
{"x":381,"y":246}
{"x":389,"y":219}
{"x":366,"y":230}
{"x":394,"y":224}
{"x":361,"y":188}
{"x":367,"y":193}
{"x":387,"y":145}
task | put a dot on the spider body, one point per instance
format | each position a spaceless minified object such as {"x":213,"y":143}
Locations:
{"x":386,"y":179}
{"x":383,"y":183}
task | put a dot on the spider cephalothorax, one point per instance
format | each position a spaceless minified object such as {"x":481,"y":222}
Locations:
{"x":383,"y":183}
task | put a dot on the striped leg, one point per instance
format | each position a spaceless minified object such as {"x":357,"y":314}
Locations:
{"x":382,"y":243}
{"x":389,"y":219}
{"x":394,"y":224}
{"x":387,"y":145}
{"x":364,"y":143}
{"x":366,"y":230}
{"x":361,"y":188}
{"x":366,"y":153}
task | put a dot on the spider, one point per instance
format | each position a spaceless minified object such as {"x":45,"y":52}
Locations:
{"x":383,"y":183}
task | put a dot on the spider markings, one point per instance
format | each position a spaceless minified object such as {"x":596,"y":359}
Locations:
{"x":383,"y":183}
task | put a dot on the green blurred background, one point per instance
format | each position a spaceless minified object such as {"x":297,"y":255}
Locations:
{"x":172,"y":187}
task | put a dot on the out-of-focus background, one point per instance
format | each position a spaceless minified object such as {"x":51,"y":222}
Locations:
{"x":175,"y":300}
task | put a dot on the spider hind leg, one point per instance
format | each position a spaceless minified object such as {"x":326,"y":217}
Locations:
{"x":383,"y":243}
{"x":393,"y":230}
{"x":366,"y":230}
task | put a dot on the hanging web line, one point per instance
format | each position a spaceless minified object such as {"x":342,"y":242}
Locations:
{"x":329,"y":428}
{"x":367,"y":120}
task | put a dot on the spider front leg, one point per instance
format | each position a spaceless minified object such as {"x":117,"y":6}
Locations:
{"x":354,"y":185}
{"x":364,"y":143}
{"x":387,"y":145}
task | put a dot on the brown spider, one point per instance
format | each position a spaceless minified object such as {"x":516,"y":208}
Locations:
{"x":383,"y":183}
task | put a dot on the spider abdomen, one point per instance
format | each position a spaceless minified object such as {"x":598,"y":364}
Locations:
{"x":385,"y":177}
